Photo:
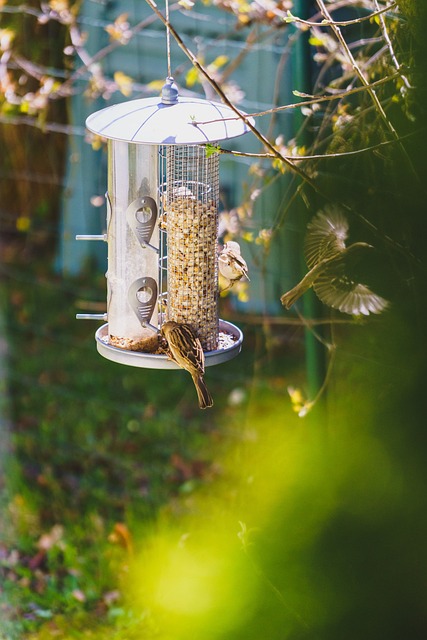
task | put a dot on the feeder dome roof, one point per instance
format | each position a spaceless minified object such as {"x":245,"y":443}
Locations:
{"x":151,"y":121}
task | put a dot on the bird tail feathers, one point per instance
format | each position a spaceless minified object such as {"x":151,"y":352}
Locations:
{"x":291,"y":296}
{"x":203,"y":394}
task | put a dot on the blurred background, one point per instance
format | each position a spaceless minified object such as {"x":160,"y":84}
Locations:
{"x":295,"y":507}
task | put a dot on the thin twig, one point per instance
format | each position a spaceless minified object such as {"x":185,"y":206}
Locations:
{"x":105,"y":51}
{"x":294,"y":322}
{"x":307,"y":324}
{"x":313,"y":99}
{"x":51,"y":127}
{"x":332,"y":354}
{"x":364,"y":81}
{"x":320,"y":156}
{"x":266,"y":143}
{"x":331,"y":349}
{"x":337,"y":31}
{"x":390,"y":46}
{"x":329,"y":22}
{"x":246,"y":119}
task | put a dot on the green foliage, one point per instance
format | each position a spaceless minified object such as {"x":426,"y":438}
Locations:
{"x":211,"y":149}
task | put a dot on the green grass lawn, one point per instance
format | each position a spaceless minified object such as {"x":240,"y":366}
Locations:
{"x":129,"y":514}
{"x":95,"y":451}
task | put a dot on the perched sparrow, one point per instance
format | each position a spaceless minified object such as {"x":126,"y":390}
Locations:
{"x":330,"y":263}
{"x":186,"y":350}
{"x":231,"y":264}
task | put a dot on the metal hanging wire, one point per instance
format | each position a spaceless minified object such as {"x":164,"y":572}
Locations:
{"x":168,"y":40}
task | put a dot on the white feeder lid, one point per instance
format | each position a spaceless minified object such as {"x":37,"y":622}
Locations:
{"x":151,"y":121}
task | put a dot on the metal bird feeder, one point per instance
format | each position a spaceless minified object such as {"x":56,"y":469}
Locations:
{"x":162,"y":224}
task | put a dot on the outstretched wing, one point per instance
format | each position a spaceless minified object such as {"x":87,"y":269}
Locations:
{"x":326,"y":235}
{"x":335,"y":288}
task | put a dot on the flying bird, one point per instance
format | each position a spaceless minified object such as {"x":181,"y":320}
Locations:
{"x":186,"y":350}
{"x":331,"y":267}
{"x":232,"y":265}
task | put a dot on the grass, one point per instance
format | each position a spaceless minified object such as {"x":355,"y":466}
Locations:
{"x":128,"y":513}
{"x":95,"y":452}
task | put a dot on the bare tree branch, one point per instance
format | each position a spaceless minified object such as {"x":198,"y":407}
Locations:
{"x":390,"y":46}
{"x":314,"y":99}
{"x":275,"y":153}
{"x":330,"y":23}
{"x":378,"y":106}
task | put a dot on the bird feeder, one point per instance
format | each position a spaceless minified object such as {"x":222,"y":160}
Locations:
{"x":162,"y":224}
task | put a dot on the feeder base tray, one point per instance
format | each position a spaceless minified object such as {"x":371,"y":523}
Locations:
{"x":156,"y":361}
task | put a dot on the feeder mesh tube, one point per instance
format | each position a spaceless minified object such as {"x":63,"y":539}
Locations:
{"x":191,"y":210}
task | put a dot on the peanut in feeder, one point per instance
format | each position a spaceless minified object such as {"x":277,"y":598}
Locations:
{"x":162,"y":224}
{"x":191,"y":210}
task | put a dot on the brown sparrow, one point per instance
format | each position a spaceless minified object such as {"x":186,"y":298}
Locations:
{"x":232,"y":265}
{"x":330,"y":261}
{"x":186,"y":350}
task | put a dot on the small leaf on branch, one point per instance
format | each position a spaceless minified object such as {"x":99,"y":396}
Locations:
{"x":316,"y":42}
{"x":192,"y":77}
{"x":186,"y":4}
{"x":219,"y":62}
{"x":301,"y":94}
{"x":123,"y":82}
{"x":211,"y":149}
{"x":289,"y":18}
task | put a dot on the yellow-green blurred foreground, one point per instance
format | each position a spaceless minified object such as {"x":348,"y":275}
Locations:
{"x":314,"y":527}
